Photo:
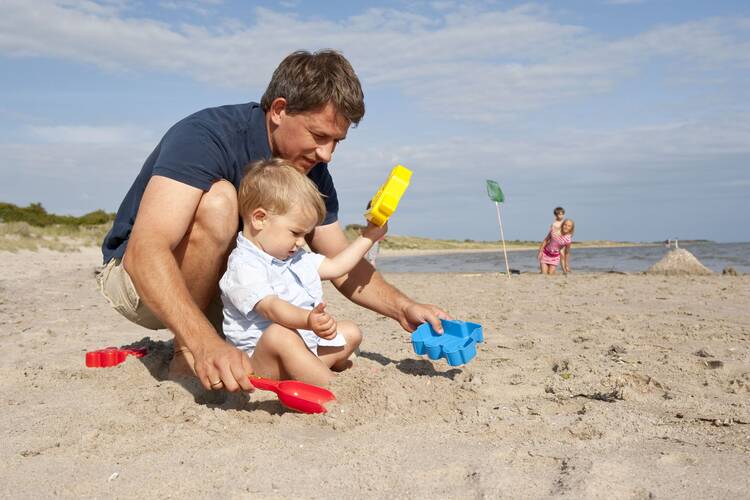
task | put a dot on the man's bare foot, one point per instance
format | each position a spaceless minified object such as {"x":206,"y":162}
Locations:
{"x":182,"y":364}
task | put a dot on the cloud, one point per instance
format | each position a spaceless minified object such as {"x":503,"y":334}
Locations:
{"x":501,"y":68}
{"x":625,"y":2}
{"x":491,"y":64}
{"x":664,"y":166}
{"x":83,"y":134}
{"x":634,"y":183}
{"x":200,"y":7}
{"x":73,"y":160}
{"x":69,"y":178}
{"x":641,"y":159}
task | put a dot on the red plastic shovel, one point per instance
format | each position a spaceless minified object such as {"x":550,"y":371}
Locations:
{"x":296,"y":395}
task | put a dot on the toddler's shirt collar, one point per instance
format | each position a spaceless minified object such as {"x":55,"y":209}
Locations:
{"x":248,"y":246}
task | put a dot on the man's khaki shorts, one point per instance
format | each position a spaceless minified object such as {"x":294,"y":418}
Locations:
{"x":117,"y":287}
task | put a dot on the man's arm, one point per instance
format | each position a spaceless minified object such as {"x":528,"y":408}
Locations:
{"x":167,"y":210}
{"x":366,"y":287}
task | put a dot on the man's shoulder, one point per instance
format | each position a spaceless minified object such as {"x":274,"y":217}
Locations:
{"x":226,"y":112}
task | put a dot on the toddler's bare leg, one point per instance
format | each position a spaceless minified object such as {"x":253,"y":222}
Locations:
{"x":282,"y":354}
{"x":337,"y":358}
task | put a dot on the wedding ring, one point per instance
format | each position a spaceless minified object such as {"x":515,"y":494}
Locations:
{"x":217,"y":383}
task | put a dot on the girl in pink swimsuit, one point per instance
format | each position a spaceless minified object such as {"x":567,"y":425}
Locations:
{"x":556,"y":248}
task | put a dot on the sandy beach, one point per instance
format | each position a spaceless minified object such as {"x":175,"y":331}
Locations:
{"x":587,"y":386}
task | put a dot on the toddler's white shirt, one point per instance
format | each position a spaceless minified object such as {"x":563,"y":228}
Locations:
{"x":252,"y":275}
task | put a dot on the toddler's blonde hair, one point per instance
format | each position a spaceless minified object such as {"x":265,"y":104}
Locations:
{"x":276,"y":186}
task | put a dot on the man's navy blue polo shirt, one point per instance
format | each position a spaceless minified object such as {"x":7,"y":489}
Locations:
{"x":212,"y":144}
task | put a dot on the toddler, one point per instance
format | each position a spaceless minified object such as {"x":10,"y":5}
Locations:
{"x":559,"y":213}
{"x":271,"y":291}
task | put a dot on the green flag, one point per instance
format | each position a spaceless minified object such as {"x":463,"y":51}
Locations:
{"x":494,"y":191}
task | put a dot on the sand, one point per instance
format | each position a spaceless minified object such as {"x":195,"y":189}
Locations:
{"x":679,"y":262}
{"x":587,"y":386}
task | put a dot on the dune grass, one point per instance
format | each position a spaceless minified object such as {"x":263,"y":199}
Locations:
{"x":15,"y":236}
{"x":395,"y":242}
{"x":32,"y":227}
{"x":36,"y":215}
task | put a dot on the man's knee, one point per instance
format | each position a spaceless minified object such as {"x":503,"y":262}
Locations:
{"x":217,"y":213}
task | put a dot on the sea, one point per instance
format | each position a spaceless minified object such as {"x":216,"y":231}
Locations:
{"x":631,"y":259}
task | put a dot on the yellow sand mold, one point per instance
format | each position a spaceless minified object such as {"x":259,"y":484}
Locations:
{"x":385,"y":201}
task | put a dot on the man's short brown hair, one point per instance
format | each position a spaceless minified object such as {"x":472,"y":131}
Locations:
{"x":308,"y":81}
{"x":276,"y":186}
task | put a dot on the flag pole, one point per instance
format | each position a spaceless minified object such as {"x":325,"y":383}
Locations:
{"x":502,"y":238}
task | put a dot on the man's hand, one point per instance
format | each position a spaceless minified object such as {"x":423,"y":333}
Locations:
{"x":322,"y":323}
{"x":219,"y":365}
{"x":414,"y":314}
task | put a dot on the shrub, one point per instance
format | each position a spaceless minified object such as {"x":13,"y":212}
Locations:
{"x":36,"y":215}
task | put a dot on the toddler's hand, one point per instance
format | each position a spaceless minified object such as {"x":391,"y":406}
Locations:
{"x":375,"y":232}
{"x":322,"y":323}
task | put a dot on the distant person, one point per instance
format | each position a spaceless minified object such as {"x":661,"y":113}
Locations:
{"x":555,"y":249}
{"x":173,"y":232}
{"x":271,"y":290}
{"x":559,"y":213}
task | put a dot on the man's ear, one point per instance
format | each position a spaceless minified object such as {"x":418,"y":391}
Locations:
{"x":258,"y":218}
{"x":277,"y":110}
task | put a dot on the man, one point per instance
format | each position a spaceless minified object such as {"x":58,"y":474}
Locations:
{"x":168,"y":246}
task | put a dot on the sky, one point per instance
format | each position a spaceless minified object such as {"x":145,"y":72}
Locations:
{"x":634,"y":115}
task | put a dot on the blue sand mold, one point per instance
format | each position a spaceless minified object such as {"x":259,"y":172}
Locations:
{"x":458,"y":344}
